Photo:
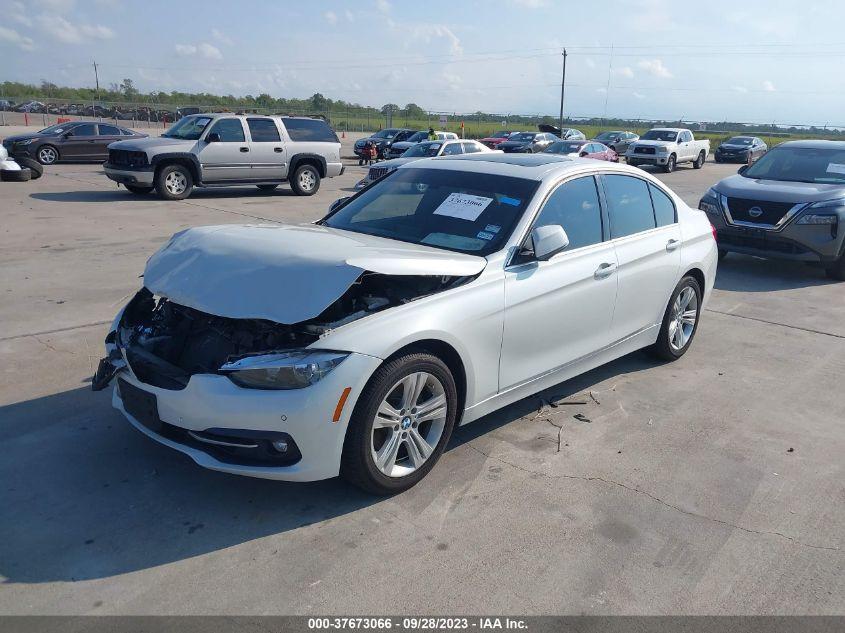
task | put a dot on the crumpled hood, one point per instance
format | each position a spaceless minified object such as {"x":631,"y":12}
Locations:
{"x":153,"y":143}
{"x":285,"y":274}
{"x":778,"y":191}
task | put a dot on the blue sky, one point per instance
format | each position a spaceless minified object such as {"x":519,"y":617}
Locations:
{"x":773,"y":61}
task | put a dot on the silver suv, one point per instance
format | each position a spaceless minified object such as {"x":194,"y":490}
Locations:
{"x":222,"y":150}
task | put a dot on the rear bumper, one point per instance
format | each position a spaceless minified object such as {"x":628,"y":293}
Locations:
{"x":126,"y":176}
{"x":333,"y":169}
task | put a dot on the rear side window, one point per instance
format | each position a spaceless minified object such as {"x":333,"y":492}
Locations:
{"x":230,"y":130}
{"x":451,"y":149}
{"x":86,"y":129}
{"x":263,"y":131}
{"x":109,"y":130}
{"x":470,"y":148}
{"x":664,"y":208}
{"x":629,"y":205}
{"x":310,"y":130}
{"x":574,"y":206}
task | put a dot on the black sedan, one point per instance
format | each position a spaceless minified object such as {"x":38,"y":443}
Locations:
{"x":383,"y":139}
{"x":740,"y":149}
{"x":527,"y":142}
{"x":75,"y":140}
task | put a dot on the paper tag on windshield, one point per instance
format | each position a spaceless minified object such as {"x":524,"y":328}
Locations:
{"x":463,"y":206}
{"x":835,"y":168}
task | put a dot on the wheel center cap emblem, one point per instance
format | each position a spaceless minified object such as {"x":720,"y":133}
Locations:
{"x":406,"y":423}
{"x":755,"y":212}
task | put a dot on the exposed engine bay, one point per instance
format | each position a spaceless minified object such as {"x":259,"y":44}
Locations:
{"x":166,"y":343}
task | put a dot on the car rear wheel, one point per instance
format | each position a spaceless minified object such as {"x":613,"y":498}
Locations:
{"x":669,"y":167}
{"x":680,"y":321}
{"x":47,"y":155}
{"x":15,"y":175}
{"x":400,"y":425}
{"x":699,"y":162}
{"x":174,"y":182}
{"x":33,"y":165}
{"x":138,"y":189}
{"x":306,"y":180}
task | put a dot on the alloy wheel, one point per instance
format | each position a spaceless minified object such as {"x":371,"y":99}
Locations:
{"x":409,"y":424}
{"x":47,"y":155}
{"x":176,"y":183}
{"x":307,"y":180}
{"x":684,"y":315}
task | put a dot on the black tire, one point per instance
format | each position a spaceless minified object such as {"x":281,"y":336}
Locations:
{"x":178,"y":174}
{"x":663,"y":348}
{"x":139,"y":190}
{"x":699,"y":161}
{"x":33,"y":165}
{"x":15,"y":175}
{"x":722,"y":254}
{"x":633,"y":162}
{"x":306,"y":180}
{"x":717,"y":159}
{"x":47,"y":155}
{"x":670,"y":165}
{"x":267,"y":187}
{"x":357,"y":465}
{"x":837,"y":269}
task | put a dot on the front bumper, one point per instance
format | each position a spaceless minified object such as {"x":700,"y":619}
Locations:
{"x":724,"y":157}
{"x":128,"y":176}
{"x":213,"y":402}
{"x":648,"y":159}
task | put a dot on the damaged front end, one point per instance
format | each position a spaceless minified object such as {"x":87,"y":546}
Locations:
{"x":165,"y":343}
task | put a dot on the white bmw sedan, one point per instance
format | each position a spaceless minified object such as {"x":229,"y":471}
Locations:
{"x":449,"y":289}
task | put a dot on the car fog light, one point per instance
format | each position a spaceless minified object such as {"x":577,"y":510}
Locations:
{"x":280,"y":445}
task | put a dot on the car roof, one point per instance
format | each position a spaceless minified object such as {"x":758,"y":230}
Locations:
{"x":814,"y":144}
{"x":670,"y":129}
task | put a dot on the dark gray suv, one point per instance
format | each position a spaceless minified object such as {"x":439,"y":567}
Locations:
{"x":790,"y":204}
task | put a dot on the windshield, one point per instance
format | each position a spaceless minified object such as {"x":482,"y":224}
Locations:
{"x":501,"y":134}
{"x":564,"y":147}
{"x":800,"y":164}
{"x":738,"y":140}
{"x":459,"y":211}
{"x":608,"y":136}
{"x":189,"y":128}
{"x":54,"y":129}
{"x":522,"y":136}
{"x":417,"y":137}
{"x":422,"y":149}
{"x":385,"y":134}
{"x":659,"y":135}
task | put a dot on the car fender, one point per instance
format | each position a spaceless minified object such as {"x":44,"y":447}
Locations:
{"x":296,"y":159}
{"x":161,"y":159}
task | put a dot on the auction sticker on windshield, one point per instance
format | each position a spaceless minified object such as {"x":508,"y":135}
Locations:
{"x":463,"y":206}
{"x":835,"y":168}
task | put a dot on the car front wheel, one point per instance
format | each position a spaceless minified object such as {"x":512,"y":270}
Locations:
{"x":400,"y":425}
{"x":669,"y":167}
{"x":174,"y":182}
{"x":680,"y":321}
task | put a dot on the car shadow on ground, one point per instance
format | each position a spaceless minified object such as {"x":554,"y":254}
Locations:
{"x":744,"y":273}
{"x":86,"y":496}
{"x":121,"y":195}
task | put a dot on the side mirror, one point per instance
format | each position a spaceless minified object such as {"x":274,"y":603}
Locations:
{"x":334,"y":205}
{"x":214,"y":137}
{"x":742,"y":169}
{"x":583,"y":154}
{"x":548,"y":241}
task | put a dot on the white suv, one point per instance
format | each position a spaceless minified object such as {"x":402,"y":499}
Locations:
{"x":221,"y":150}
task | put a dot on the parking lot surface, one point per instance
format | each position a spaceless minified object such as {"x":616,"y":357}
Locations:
{"x":710,"y":485}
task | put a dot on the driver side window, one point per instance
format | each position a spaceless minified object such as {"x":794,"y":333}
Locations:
{"x":451,"y":149}
{"x":229,"y":130}
{"x":574,"y":205}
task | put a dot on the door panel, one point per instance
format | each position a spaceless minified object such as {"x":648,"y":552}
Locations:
{"x":81,"y":144}
{"x":229,"y":158}
{"x":106,"y":134}
{"x":268,"y":152}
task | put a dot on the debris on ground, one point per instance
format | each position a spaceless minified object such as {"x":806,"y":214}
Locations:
{"x":582,"y":418}
{"x":790,"y":450}
{"x":593,"y":396}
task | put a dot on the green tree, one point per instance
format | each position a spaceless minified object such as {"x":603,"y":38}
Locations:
{"x":127,"y":87}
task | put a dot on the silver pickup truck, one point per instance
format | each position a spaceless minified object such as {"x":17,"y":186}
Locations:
{"x":667,"y":147}
{"x":222,"y":150}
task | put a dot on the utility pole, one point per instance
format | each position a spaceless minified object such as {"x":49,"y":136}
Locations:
{"x":97,"y":80}
{"x":562,"y":87}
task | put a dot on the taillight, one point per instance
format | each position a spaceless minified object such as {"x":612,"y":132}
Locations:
{"x":713,"y":231}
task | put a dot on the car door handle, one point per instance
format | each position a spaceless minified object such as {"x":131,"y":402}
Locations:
{"x":671,"y":245}
{"x":605,"y":270}
{"x":244,"y":149}
{"x":278,"y":150}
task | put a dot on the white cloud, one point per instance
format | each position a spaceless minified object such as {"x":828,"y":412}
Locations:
{"x":17,"y":13}
{"x":70,"y":33}
{"x":768,"y":86}
{"x":203,"y":49}
{"x":331,"y":17}
{"x":427,"y":33}
{"x":350,"y":17}
{"x":13,"y":37}
{"x":221,"y":37}
{"x":589,"y":62}
{"x":531,"y":4}
{"x":624,"y":71}
{"x":383,"y":6}
{"x":57,"y":6}
{"x":740,"y":89}
{"x":653,"y":15}
{"x":655,"y":67}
